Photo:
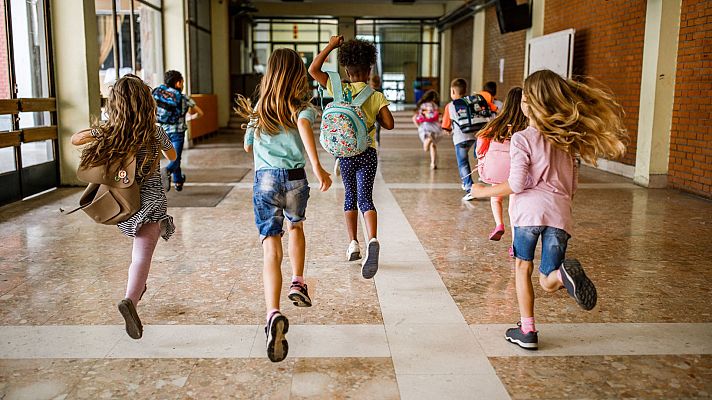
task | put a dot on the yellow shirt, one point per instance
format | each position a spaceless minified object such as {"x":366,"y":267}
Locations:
{"x":371,"y":107}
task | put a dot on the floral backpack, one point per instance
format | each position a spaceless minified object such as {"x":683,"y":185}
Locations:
{"x":343,"y":124}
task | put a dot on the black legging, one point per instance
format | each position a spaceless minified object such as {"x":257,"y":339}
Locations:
{"x":358,"y":174}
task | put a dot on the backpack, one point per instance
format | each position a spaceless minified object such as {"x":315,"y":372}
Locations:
{"x":169,"y":105}
{"x":343,"y":124}
{"x":493,"y":161}
{"x":472,"y":113}
{"x":428,"y":112}
{"x":111,"y":197}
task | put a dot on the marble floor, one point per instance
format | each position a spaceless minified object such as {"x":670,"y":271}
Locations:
{"x":430,"y":325}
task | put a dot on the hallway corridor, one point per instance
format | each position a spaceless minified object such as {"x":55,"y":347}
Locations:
{"x":429,"y":326}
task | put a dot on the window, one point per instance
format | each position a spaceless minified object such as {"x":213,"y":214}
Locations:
{"x":130,"y":36}
{"x":407,"y":53}
{"x":307,"y":36}
{"x":200,"y":46}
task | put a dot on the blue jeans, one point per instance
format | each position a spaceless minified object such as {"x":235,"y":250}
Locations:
{"x":553,"y":245}
{"x":275,"y":196}
{"x":462,"y":150}
{"x":173,"y":167}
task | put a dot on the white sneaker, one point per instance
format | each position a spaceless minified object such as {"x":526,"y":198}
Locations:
{"x":337,"y":168}
{"x":464,"y":189}
{"x":369,"y":267}
{"x":468,"y":197}
{"x":354,"y":252}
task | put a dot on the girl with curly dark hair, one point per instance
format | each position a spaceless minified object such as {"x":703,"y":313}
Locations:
{"x":358,"y":172}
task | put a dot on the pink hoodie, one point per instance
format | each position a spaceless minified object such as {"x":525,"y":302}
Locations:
{"x":543,"y":179}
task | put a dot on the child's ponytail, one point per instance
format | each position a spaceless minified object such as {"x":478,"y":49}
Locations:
{"x":579,"y":119}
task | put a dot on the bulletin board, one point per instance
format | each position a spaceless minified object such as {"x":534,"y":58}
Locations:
{"x":554,"y":51}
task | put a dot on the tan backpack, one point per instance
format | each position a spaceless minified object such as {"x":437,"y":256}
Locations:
{"x":110,"y":198}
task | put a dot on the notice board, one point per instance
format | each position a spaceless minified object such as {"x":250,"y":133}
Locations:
{"x":554,"y":51}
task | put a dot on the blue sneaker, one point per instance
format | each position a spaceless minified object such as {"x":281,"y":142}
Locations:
{"x":529,"y":341}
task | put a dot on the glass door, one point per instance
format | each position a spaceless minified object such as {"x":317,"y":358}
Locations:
{"x":28,"y":131}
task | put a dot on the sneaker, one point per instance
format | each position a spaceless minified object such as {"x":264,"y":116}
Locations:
{"x":165,"y":179}
{"x":529,"y":341}
{"x":337,"y":168}
{"x":299,"y":295}
{"x":464,"y":188}
{"x":179,"y":185}
{"x":133,"y":323}
{"x":578,"y":285}
{"x":468,"y":197}
{"x":369,"y":267}
{"x":277,"y":346}
{"x":497,"y":233}
{"x":354,"y":252}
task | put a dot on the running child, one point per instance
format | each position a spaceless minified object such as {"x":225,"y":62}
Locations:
{"x":358,"y":172}
{"x":279,"y":132}
{"x":427,"y":120}
{"x":131,"y":131}
{"x":567,"y":119}
{"x":174,"y":109}
{"x":493,"y":151}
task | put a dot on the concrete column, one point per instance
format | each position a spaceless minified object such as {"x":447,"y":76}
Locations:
{"x":536,"y":30}
{"x":478,"y":50}
{"x":76,"y":72}
{"x":445,"y":52}
{"x":175,"y":50}
{"x":220,"y":35}
{"x":657,"y":87}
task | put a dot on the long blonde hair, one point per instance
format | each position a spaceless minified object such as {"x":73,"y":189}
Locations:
{"x":131,"y":126}
{"x":284,"y":92}
{"x":575,"y":117}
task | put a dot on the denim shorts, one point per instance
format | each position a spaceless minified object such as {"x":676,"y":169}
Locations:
{"x":275,"y":196}
{"x":553,"y":245}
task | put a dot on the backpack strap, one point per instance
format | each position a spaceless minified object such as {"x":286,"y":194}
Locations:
{"x":336,"y":88}
{"x":362,"y":96}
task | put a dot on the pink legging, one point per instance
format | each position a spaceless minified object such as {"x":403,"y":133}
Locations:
{"x":143,"y":245}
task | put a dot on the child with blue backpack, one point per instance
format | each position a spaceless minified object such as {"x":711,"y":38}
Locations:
{"x":172,"y":106}
{"x":463,"y":118}
{"x":355,"y":103}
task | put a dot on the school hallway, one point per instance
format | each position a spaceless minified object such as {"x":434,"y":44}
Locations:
{"x":430,"y":324}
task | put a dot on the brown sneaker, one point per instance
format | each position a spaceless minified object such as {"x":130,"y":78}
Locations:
{"x":133,"y":323}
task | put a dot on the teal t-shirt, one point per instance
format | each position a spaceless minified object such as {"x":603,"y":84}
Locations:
{"x":283,"y":150}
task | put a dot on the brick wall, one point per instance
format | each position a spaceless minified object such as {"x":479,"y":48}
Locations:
{"x":690,"y":165}
{"x":510,"y":47}
{"x":608,"y":47}
{"x":4,"y":65}
{"x":461,"y":54}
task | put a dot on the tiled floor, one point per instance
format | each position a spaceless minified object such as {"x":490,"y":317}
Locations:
{"x":428,"y":326}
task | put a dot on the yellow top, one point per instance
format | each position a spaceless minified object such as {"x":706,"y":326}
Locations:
{"x":371,"y":107}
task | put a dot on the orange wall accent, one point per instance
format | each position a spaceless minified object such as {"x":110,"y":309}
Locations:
{"x":209,"y":122}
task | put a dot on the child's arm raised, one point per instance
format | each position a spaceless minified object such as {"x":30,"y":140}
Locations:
{"x":305,"y":132}
{"x":315,"y":67}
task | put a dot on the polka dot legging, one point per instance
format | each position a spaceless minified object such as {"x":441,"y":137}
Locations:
{"x":358,"y":173}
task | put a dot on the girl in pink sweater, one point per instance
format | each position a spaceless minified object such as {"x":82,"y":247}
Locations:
{"x":566,"y":119}
{"x":493,"y":151}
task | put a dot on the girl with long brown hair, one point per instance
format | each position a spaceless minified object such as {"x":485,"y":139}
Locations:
{"x":567,"y":119}
{"x":130,"y":132}
{"x":493,"y":151}
{"x":279,"y":132}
